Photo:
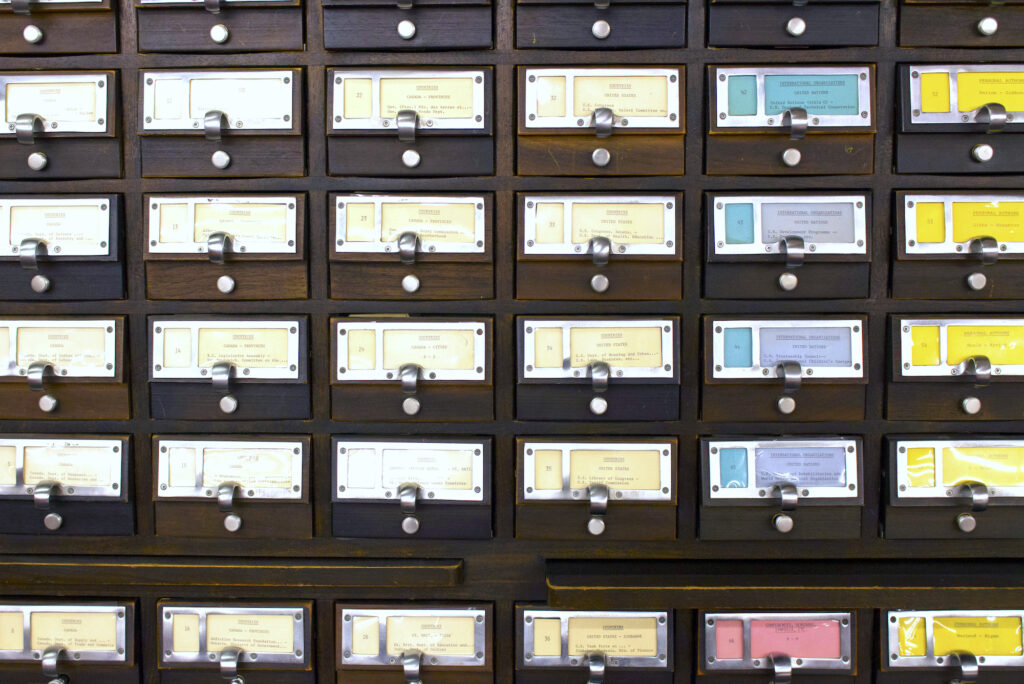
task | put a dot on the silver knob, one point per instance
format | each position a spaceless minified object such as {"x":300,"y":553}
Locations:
{"x":786,"y":405}
{"x":226,"y":284}
{"x":410,"y":525}
{"x":986,"y":27}
{"x":40,"y":283}
{"x":601,"y":157}
{"x":977,"y":281}
{"x":233,"y":522}
{"x":598,"y":406}
{"x":601,"y":29}
{"x":406,"y":29}
{"x":791,"y":156}
{"x":596,"y":526}
{"x":37,"y":161}
{"x":219,"y":34}
{"x":411,"y":158}
{"x":796,"y":27}
{"x":221,"y":159}
{"x":410,"y":283}
{"x":788,"y":281}
{"x":983,"y":153}
{"x":971,"y":405}
{"x":53,"y":521}
{"x":32,"y":34}
{"x":966,"y":522}
{"x":411,"y":406}
{"x":48,"y":403}
{"x":228,"y":404}
{"x":599,"y":283}
{"x":783,"y":522}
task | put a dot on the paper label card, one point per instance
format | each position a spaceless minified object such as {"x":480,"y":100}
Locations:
{"x":924,"y":639}
{"x":440,"y":99}
{"x":256,"y":349}
{"x":755,"y":349}
{"x":948,"y":225}
{"x":633,"y":225}
{"x":937,"y":469}
{"x":957,"y":93}
{"x":632,"y":348}
{"x":251,"y":99}
{"x":375,"y":351}
{"x":194,"y":469}
{"x":68,"y":227}
{"x":256,"y":225}
{"x":754,"y":470}
{"x":67,"y":102}
{"x":563,"y":639}
{"x":269,"y":637}
{"x":565,"y":470}
{"x":74,"y":348}
{"x":375,"y":637}
{"x":746,"y":641}
{"x":443,"y":471}
{"x":945,"y":347}
{"x":375,"y":223}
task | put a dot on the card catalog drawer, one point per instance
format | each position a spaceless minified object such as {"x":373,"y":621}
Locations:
{"x":764,"y":123}
{"x":397,"y":488}
{"x":79,"y":641}
{"x":617,"y":247}
{"x":768,"y":24}
{"x":67,"y":484}
{"x":614,"y":488}
{"x":635,"y":113}
{"x":380,"y":123}
{"x":956,"y":368}
{"x":429,"y":643}
{"x":251,"y":487}
{"x":61,"y":247}
{"x":794,"y":369}
{"x":765,"y":488}
{"x":633,"y":647}
{"x":235,"y":123}
{"x":949,"y":487}
{"x":596,"y":26}
{"x":259,"y":643}
{"x":226,"y":246}
{"x":412,"y":368}
{"x":224,"y":26}
{"x":598,"y":368}
{"x":968,"y":25}
{"x":423,"y":25}
{"x":59,"y":124}
{"x":938,"y":646}
{"x":787,"y":246}
{"x":215,"y":368}
{"x":411,"y":246}
{"x":57,"y":27}
{"x":948,"y":114}
{"x":64,"y":369}
{"x":962,"y":245}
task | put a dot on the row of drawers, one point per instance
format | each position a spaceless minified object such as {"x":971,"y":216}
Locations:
{"x":467,"y":24}
{"x":628,"y":489}
{"x":571,"y":121}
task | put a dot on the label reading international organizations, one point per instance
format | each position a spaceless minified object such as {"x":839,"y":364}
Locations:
{"x":817,"y":222}
{"x":815,"y":347}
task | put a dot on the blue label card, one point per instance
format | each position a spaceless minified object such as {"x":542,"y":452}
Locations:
{"x":739,"y":347}
{"x":819,"y":347}
{"x":802,"y":466}
{"x":739,"y":224}
{"x":833,"y":94}
{"x":732,"y":466}
{"x":742,"y":95}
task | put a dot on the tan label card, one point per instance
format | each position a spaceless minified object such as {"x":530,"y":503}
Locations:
{"x":54,"y":101}
{"x":251,"y":633}
{"x":246,"y":347}
{"x":66,"y":225}
{"x":624,"y":95}
{"x":358,"y":98}
{"x":547,"y":637}
{"x":185,"y":633}
{"x":68,"y":466}
{"x":615,"y":469}
{"x":621,"y":347}
{"x":622,"y":637}
{"x":625,"y":224}
{"x":250,"y":468}
{"x":431,"y":635}
{"x":243,"y":221}
{"x":5,"y":347}
{"x":64,"y":347}
{"x":428,"y":468}
{"x":74,"y":631}
{"x":12,"y":632}
{"x":431,"y":98}
{"x":258,"y":98}
{"x":366,"y":636}
{"x":8,"y":466}
{"x":432,"y":349}
{"x":430,"y":222}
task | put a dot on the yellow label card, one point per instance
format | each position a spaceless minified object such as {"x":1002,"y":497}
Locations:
{"x":549,"y":223}
{"x":66,"y":225}
{"x":53,"y":101}
{"x":625,"y":469}
{"x":921,"y":466}
{"x":995,"y":466}
{"x":247,"y":347}
{"x":625,"y":223}
{"x":432,"y":349}
{"x":1002,"y":344}
{"x":432,"y":635}
{"x":1003,"y":221}
{"x":185,"y":633}
{"x":68,"y":466}
{"x":75,"y":347}
{"x":978,"y":88}
{"x":614,"y":636}
{"x":433,"y":222}
{"x":243,"y":221}
{"x":547,"y":637}
{"x":913,"y":639}
{"x":547,"y":469}
{"x":8,"y":465}
{"x":428,"y":468}
{"x":74,"y":631}
{"x":931,"y":222}
{"x":934,"y":93}
{"x":979,"y":636}
{"x":925,"y":341}
{"x":251,"y":633}
{"x":624,"y":95}
{"x":431,"y":98}
{"x":620,"y":347}
{"x":12,"y":632}
{"x":250,"y":468}
{"x":5,"y":346}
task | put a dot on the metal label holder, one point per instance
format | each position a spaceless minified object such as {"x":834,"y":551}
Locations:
{"x":419,"y":243}
{"x":412,"y":660}
{"x":783,"y":371}
{"x":600,"y":253}
{"x":199,"y":491}
{"x":215,"y":370}
{"x":232,"y":659}
{"x":784,"y":664}
{"x":235,"y":244}
{"x":596,"y":660}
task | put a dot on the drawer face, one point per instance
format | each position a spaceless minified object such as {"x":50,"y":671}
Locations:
{"x":965,"y":25}
{"x":919,"y":641}
{"x":59,"y":28}
{"x":586,"y":27}
{"x":776,"y":25}
{"x":454,"y":27}
{"x":178,"y":26}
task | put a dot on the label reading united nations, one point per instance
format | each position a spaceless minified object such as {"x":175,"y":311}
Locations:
{"x":814,"y":347}
{"x":804,"y":467}
{"x":819,"y":222}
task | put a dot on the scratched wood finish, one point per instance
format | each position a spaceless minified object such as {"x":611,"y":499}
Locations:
{"x":764,"y":25}
{"x":956,"y":25}
{"x":187,"y":29}
{"x":570,"y":26}
{"x":436,"y":28}
{"x":63,"y":32}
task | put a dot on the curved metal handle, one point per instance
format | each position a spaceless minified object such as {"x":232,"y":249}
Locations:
{"x":215,"y":122}
{"x":968,"y":665}
{"x":226,"y":496}
{"x":218,"y":246}
{"x":599,"y":373}
{"x":409,"y":374}
{"x":597,"y":494}
{"x":38,"y":373}
{"x":795,"y":120}
{"x":406,"y":123}
{"x":791,"y":373}
{"x":43,"y":492}
{"x":221,"y":375}
{"x":977,"y":493}
{"x":604,"y":121}
{"x":986,"y":249}
{"x":51,"y":656}
{"x":21,"y":6}
{"x":27,"y":127}
{"x":30,"y":252}
{"x":597,"y":666}
{"x":976,"y":368}
{"x":791,"y":248}
{"x":212,"y":6}
{"x":993,"y":114}
{"x":408,"y":243}
{"x":407,"y":495}
{"x":782,"y":669}
{"x":600,"y":250}
{"x":788,"y":495}
{"x":229,"y":658}
{"x":411,"y":666}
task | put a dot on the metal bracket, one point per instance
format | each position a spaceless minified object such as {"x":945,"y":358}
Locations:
{"x":993,"y":114}
{"x":795,"y":120}
{"x":405,"y":4}
{"x":37,"y":374}
{"x":788,"y":494}
{"x":597,"y":666}
{"x":986,"y":249}
{"x":43,"y":492}
{"x":600,"y":250}
{"x":598,"y":496}
{"x":212,"y":6}
{"x":406,"y":122}
{"x":221,"y":375}
{"x":27,"y":127}
{"x":29,"y":253}
{"x":50,"y":658}
{"x":409,"y":374}
{"x":604,"y":120}
{"x":407,"y":495}
{"x":791,"y":374}
{"x":968,"y":665}
{"x":214,"y":124}
{"x":226,"y":496}
{"x":977,"y":493}
{"x":218,"y":246}
{"x":792,"y":249}
{"x":229,"y":658}
{"x":599,"y":373}
{"x":21,"y":6}
{"x":602,"y":4}
{"x":976,"y":368}
{"x":782,"y":669}
{"x":408,"y":242}
{"x":411,"y":666}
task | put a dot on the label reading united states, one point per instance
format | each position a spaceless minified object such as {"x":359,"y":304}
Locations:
{"x":555,"y":638}
{"x":760,"y":224}
{"x":755,"y":469}
{"x":754,"y":349}
{"x":66,"y":102}
{"x":72,"y":227}
{"x":632,"y":224}
{"x":375,"y":224}
{"x":444,"y":471}
{"x":948,"y":347}
{"x":86,"y":468}
{"x":949,"y":225}
{"x":377,"y":637}
{"x":566,"y":349}
{"x":920,"y":639}
{"x":962,"y":94}
{"x":256,"y":225}
{"x":563,"y":471}
{"x":87,"y":633}
{"x":375,"y":351}
{"x":937,"y":469}
{"x":268,"y":637}
{"x":194,"y":469}
{"x":84,"y":348}
{"x":251,"y":99}
{"x":750,"y":641}
{"x":258,"y":350}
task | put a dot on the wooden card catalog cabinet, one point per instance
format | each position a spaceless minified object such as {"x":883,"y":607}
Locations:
{"x":957,"y":368}
{"x":578,"y":646}
{"x":219,"y":25}
{"x":784,"y":369}
{"x":61,"y":247}
{"x":949,"y":113}
{"x":598,"y":369}
{"x":940,"y":646}
{"x":412,"y":247}
{"x":613,"y":488}
{"x":420,"y":25}
{"x":601,"y":121}
{"x":53,"y":27}
{"x":65,"y":485}
{"x":401,"y":487}
{"x":68,"y":642}
{"x":766,"y":488}
{"x":955,"y":488}
{"x":785,"y":246}
{"x":410,"y":122}
{"x":209,"y":368}
{"x":66,"y":369}
{"x":784,"y":24}
{"x":765,"y":121}
{"x":256,"y":643}
{"x":600,"y":247}
{"x":412,"y":368}
{"x":221,"y":124}
{"x":252,"y":487}
{"x":423,"y":643}
{"x":226,"y":247}
{"x":964,"y":245}
{"x":951,"y":23}
{"x":59,"y":124}
{"x":777,"y":646}
{"x":585,"y":24}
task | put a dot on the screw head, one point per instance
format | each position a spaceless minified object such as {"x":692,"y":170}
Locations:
{"x":410,"y":283}
{"x":788,"y":281}
{"x":796,"y":27}
{"x":228,"y":404}
{"x":601,"y":29}
{"x":406,"y":29}
{"x":411,"y":159}
{"x":599,"y":283}
{"x":233,"y":522}
{"x":219,"y":34}
{"x":601,"y":157}
{"x":32,"y":34}
{"x":40,"y":283}
{"x":986,"y":27}
{"x":226,"y":284}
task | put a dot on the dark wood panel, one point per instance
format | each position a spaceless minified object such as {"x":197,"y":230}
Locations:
{"x":187,"y":29}
{"x":63,"y":33}
{"x":69,"y":280}
{"x":634,"y":402}
{"x":624,"y":521}
{"x":376,"y":402}
{"x":563,"y":26}
{"x":755,"y":522}
{"x":272,"y":279}
{"x":260,"y":520}
{"x":439,"y":156}
{"x":174,"y":156}
{"x":380,"y":520}
{"x":571,"y":155}
{"x":745,"y":155}
{"x":764,"y":25}
{"x":65,"y":158}
{"x":75,"y":401}
{"x":948,"y":280}
{"x":436,"y":28}
{"x":383,"y":281}
{"x":955,"y":25}
{"x":256,"y":400}
{"x":760,"y":402}
{"x":761,"y":281}
{"x":629,"y":279}
{"x":952,"y":153}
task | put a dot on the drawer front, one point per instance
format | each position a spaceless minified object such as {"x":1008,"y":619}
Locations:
{"x":428,"y":156}
{"x":762,"y":155}
{"x":58,"y":32}
{"x":961,"y":25}
{"x":252,"y":157}
{"x":625,"y":155}
{"x":236,"y":29}
{"x":776,"y":25}
{"x":618,"y":26}
{"x":418,"y":28}
{"x":967,"y":153}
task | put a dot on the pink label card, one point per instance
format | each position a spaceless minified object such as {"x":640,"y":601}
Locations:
{"x":795,"y":638}
{"x":729,"y":640}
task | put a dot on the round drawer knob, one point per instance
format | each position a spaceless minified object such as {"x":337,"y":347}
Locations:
{"x":233,"y":522}
{"x":37,"y":161}
{"x":966,"y":522}
{"x":411,"y":406}
{"x":48,"y":403}
{"x":406,"y":29}
{"x":410,"y":283}
{"x":410,"y":525}
{"x":791,"y":156}
{"x":601,"y":29}
{"x":783,"y":522}
{"x":219,"y":34}
{"x":40,"y":283}
{"x":788,"y":281}
{"x":596,"y":526}
{"x":796,"y":27}
{"x":32,"y":34}
{"x":977,"y":281}
{"x":228,"y":404}
{"x":986,"y":27}
{"x":411,"y":159}
{"x":53,"y":521}
{"x":982,"y":153}
{"x":226,"y":284}
{"x":786,"y":405}
{"x":601,"y":157}
{"x":971,"y":405}
{"x":598,"y":406}
{"x":221,"y":159}
{"x":600,"y":283}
